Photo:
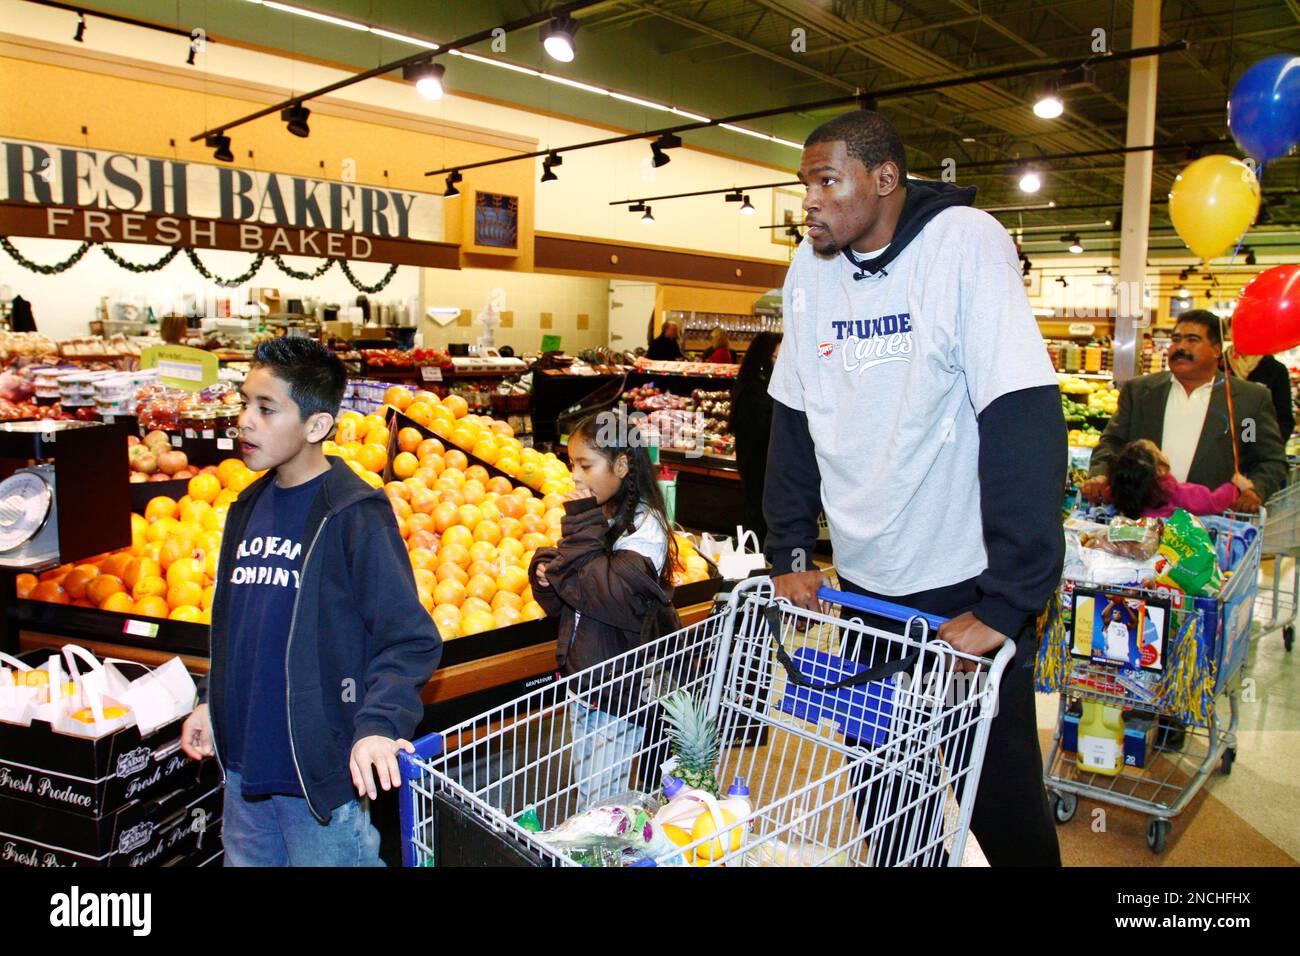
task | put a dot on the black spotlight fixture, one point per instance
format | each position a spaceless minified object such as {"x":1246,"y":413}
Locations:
{"x":452,"y":179}
{"x":1064,"y":284}
{"x":295,"y":118}
{"x":557,"y":38}
{"x":189,"y":60}
{"x":1025,"y":265}
{"x":80,"y":35}
{"x":794,"y":233}
{"x":637,"y":207}
{"x":427,"y":77}
{"x":666,"y":141}
{"x":219,"y":143}
{"x":1250,"y":256}
{"x":1075,"y":244}
{"x":548,"y":167}
{"x":734,"y":197}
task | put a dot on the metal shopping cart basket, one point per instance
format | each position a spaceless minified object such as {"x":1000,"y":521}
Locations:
{"x":1184,"y":752}
{"x":872,"y":757}
{"x":1282,"y":541}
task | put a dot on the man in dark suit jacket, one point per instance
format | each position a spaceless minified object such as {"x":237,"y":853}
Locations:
{"x":1147,"y":409}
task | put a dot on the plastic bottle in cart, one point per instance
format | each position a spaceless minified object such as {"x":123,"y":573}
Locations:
{"x":737,"y":800}
{"x":683,"y":805}
{"x":1101,"y":739}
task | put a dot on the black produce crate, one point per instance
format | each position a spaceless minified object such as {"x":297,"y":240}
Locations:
{"x":134,"y":630}
{"x":142,"y":492}
{"x":501,"y":640}
{"x":89,"y":777}
{"x":142,"y":833}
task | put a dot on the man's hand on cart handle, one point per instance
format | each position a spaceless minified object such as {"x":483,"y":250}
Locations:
{"x":970,"y":635}
{"x":800,"y":589}
{"x":376,"y":756}
{"x":1096,"y":489}
{"x":196,"y":734}
{"x":1248,"y":501}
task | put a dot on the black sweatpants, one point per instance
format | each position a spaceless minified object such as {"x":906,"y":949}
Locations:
{"x":1011,"y":818}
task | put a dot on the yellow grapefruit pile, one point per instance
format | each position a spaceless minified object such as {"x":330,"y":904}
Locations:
{"x":170,"y":569}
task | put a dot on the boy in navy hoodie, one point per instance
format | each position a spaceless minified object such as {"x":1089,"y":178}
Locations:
{"x":319,"y":643}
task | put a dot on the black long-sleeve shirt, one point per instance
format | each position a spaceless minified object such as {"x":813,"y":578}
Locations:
{"x":1022,"y":469}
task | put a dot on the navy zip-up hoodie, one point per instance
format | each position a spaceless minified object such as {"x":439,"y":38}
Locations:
{"x":361,"y":646}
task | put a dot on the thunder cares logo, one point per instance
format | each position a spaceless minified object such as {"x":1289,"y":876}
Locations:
{"x":872,"y":342}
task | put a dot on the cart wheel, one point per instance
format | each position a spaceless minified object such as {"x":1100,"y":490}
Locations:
{"x":1157,"y":833}
{"x":1288,"y":637}
{"x":1229,"y":756}
{"x":1063,"y":806}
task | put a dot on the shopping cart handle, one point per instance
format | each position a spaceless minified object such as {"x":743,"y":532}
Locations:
{"x":860,"y":602}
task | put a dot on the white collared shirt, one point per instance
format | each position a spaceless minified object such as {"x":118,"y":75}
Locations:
{"x":1184,"y":419}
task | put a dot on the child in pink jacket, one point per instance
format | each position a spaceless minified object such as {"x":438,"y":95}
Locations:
{"x":1142,"y":487}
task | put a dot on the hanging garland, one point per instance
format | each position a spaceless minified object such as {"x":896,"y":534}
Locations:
{"x":26,"y":263}
{"x":368,"y":289}
{"x":293,"y":273}
{"x":138,"y":267}
{"x":226,"y":283}
{"x":199,"y":267}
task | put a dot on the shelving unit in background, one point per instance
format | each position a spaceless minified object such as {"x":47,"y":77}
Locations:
{"x":697,"y":328}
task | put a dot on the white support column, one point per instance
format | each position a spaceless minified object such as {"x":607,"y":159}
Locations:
{"x":1131,"y":318}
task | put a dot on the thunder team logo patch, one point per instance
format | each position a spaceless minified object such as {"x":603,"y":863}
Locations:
{"x":826,"y":349}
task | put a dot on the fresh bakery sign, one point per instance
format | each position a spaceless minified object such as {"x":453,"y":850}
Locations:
{"x":68,"y":192}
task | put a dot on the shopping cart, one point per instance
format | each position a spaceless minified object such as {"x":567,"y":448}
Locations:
{"x":1282,"y":541}
{"x":873,"y":753}
{"x":1185,"y":753}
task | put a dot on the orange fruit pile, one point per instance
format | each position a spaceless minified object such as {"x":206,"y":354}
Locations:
{"x":362,"y":442}
{"x":469,"y":536}
{"x":487,"y":439}
{"x":170,"y":569}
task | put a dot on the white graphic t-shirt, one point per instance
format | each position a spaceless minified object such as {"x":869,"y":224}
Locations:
{"x":892,"y":371}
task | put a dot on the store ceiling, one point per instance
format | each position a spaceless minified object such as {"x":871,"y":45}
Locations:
{"x":721,"y":57}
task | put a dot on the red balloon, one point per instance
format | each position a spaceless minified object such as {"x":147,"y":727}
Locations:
{"x":1267,"y":316}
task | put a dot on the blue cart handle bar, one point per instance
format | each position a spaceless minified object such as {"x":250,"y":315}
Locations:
{"x":895,"y":612}
{"x":857,"y":602}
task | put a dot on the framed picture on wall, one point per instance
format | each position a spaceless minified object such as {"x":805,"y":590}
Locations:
{"x":1034,"y":283}
{"x":493,"y":226}
{"x":787,"y":210}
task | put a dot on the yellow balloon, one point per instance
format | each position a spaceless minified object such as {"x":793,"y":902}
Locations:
{"x":1212,"y":202}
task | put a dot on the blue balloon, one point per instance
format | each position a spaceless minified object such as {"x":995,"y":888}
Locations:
{"x":1264,"y":109}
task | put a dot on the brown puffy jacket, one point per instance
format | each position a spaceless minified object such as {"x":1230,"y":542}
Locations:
{"x":608,"y":602}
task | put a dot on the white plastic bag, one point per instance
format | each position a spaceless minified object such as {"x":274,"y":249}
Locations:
{"x":159,"y":696}
{"x":100,"y":688}
{"x":18,"y":702}
{"x":735,"y":562}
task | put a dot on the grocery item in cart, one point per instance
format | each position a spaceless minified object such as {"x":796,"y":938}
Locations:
{"x":1187,"y":557}
{"x":1126,"y":537}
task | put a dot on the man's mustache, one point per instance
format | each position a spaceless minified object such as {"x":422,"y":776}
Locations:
{"x":1180,"y":355}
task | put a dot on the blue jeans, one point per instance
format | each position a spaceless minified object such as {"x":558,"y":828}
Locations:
{"x":280,"y":831}
{"x":602,"y":752}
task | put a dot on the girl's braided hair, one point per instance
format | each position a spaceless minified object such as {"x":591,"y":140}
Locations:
{"x":612,"y":434}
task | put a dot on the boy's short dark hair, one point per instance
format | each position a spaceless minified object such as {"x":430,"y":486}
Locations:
{"x":315,"y":375}
{"x":869,"y":138}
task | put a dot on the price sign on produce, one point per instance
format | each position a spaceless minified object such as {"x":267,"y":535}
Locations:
{"x":181,"y":366}
{"x":431,"y":373}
